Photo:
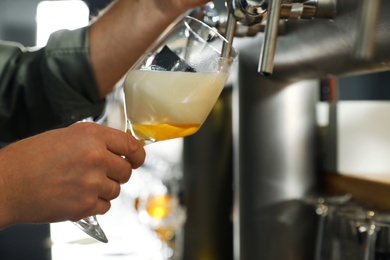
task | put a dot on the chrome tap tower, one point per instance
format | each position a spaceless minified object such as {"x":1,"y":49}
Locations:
{"x":286,"y":48}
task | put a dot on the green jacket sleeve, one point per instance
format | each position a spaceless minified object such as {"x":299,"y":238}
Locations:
{"x":46,"y":88}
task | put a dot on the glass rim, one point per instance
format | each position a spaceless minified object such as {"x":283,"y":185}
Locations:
{"x":232,"y":59}
{"x":214,"y":30}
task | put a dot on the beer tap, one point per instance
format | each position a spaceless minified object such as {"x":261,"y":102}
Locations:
{"x":270,"y":12}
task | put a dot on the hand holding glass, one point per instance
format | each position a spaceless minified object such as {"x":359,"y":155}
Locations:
{"x":172,"y":88}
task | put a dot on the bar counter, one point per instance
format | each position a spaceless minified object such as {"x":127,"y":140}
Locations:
{"x":372,"y":190}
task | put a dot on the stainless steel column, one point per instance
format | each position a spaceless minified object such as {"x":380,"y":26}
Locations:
{"x":275,"y":147}
{"x":274,"y":132}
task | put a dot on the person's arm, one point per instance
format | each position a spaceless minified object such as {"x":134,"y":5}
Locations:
{"x":47,"y":88}
{"x":72,"y":172}
{"x":123,"y":32}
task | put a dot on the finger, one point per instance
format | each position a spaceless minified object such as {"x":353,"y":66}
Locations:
{"x":118,"y":169}
{"x":109,"y":190}
{"x":125,"y":144}
{"x":136,"y":157}
{"x":102,"y":206}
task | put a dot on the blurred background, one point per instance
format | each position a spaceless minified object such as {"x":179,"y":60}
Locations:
{"x":243,"y":180}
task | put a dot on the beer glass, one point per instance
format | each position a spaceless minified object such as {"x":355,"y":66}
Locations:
{"x":378,"y":246}
{"x":352,"y":232}
{"x":171,"y":90}
{"x":325,"y":207}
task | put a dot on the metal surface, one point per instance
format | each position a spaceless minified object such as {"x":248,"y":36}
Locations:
{"x":270,"y":12}
{"x":229,"y":36}
{"x":308,"y":9}
{"x":276,"y":156}
{"x":320,"y":48}
{"x":251,"y":12}
{"x":267,"y":52}
{"x":365,"y":41}
{"x":248,"y":12}
{"x":275,"y":133}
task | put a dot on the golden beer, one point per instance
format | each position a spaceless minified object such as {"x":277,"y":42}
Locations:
{"x":162,"y":132}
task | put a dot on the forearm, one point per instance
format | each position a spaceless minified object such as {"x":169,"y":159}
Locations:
{"x":5,"y":218}
{"x":46,"y":88}
{"x":124,"y":31}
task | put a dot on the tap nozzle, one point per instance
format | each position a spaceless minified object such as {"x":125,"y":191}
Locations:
{"x":251,"y":12}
